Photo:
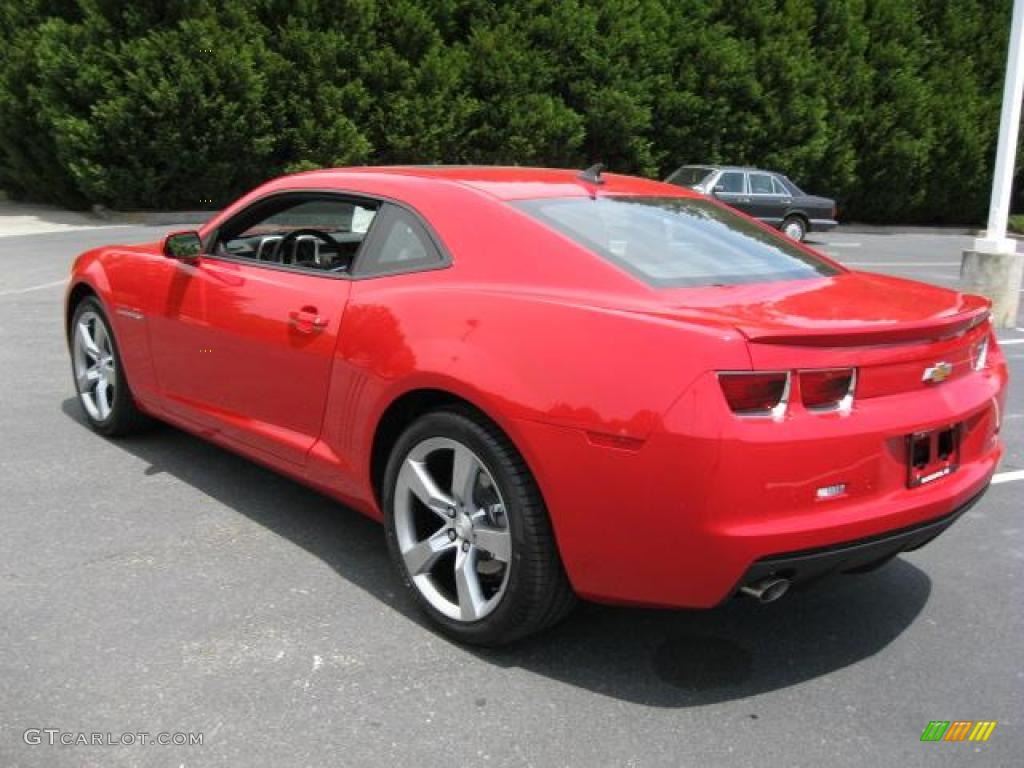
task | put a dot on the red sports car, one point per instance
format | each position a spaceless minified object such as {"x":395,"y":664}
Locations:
{"x":550,"y":384}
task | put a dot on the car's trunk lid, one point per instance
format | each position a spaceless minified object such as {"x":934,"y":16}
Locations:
{"x":893,"y":330}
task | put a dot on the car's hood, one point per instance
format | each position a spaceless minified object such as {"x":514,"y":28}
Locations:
{"x":851,"y":308}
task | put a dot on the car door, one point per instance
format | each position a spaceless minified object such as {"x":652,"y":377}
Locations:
{"x":731,"y":189}
{"x":766,"y":200}
{"x":245,"y":341}
{"x":785,"y":195}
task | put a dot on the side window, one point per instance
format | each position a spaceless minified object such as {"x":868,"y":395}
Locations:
{"x":400,"y":243}
{"x":761,"y":184}
{"x":730,"y":182}
{"x":319,"y":233}
{"x":780,"y":188}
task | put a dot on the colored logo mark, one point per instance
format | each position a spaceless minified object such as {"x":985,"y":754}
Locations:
{"x":937,"y":373}
{"x":958,"y":730}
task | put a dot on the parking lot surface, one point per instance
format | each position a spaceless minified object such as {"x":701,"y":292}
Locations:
{"x":161,"y":584}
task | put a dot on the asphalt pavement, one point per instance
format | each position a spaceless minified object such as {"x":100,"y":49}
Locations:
{"x":162,"y":585}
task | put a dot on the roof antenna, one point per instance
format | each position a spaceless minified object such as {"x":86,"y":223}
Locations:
{"x":593,"y":174}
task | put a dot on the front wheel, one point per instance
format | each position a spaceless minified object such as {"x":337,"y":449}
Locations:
{"x":468,"y":531}
{"x":99,"y":376}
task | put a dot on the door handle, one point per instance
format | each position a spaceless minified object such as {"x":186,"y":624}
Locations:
{"x":307,"y":320}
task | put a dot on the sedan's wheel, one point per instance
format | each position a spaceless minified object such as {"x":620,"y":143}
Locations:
{"x":99,"y":379}
{"x":794,"y":228}
{"x":469,"y":532}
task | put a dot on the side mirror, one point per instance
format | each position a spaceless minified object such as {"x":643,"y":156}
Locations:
{"x":185,"y":246}
{"x":718,"y":190}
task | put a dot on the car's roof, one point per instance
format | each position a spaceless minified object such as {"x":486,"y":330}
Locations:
{"x":503,"y":182}
{"x":440,"y":187}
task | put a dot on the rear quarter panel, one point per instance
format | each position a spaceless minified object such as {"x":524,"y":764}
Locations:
{"x":521,"y":346}
{"x":813,"y":207}
{"x":527,"y":326}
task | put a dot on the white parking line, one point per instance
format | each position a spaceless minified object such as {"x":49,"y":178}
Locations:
{"x":1005,"y":342}
{"x":844,"y":245}
{"x":34,"y":288}
{"x":1008,"y":477}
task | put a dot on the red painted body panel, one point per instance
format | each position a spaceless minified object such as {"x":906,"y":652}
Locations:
{"x":657,"y":492}
{"x":227,"y":355}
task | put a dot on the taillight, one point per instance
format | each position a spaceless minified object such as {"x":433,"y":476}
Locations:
{"x":825,"y":390}
{"x":979,"y":354}
{"x":755,"y":394}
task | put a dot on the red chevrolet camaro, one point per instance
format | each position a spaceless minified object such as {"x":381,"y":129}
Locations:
{"x":550,"y":384}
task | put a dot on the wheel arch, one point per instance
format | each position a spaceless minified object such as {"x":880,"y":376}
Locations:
{"x":76,"y":294}
{"x":410,"y":405}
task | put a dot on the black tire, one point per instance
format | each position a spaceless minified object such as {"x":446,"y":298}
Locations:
{"x":537,"y":594}
{"x":795,"y":227}
{"x":124,"y":417}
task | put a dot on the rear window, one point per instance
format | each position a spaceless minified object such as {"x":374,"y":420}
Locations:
{"x":671,"y":242}
{"x":689,"y":176}
{"x":790,"y":186}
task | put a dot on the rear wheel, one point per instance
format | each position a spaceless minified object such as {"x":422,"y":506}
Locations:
{"x":99,"y":376}
{"x":795,"y":228}
{"x":468,"y":531}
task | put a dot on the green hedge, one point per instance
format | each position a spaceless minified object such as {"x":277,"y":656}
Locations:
{"x":890,"y":105}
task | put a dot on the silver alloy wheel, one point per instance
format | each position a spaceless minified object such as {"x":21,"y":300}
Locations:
{"x":795,"y":230}
{"x":452,"y":529}
{"x":94,"y":365}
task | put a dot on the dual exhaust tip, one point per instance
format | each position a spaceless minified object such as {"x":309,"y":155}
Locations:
{"x":766,"y":590}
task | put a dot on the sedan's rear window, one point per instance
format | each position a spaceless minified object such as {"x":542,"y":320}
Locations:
{"x":670,"y":241}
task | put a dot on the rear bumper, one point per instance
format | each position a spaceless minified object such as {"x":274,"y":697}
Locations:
{"x":851,"y":557}
{"x":823,"y":225}
{"x":707,"y":499}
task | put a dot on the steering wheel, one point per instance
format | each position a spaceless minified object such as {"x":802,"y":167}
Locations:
{"x":289,"y":239}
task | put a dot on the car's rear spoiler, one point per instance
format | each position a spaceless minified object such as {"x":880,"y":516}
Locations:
{"x":931,"y":329}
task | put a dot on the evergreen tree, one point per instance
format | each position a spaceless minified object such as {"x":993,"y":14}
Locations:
{"x":892,"y":106}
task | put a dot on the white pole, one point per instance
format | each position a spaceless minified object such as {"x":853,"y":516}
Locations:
{"x":993,"y":267}
{"x":995,"y":239}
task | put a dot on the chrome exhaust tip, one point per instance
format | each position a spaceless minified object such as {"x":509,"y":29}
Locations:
{"x":766,"y":590}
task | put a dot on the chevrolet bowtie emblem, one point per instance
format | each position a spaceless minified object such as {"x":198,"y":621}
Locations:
{"x":938,"y":372}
